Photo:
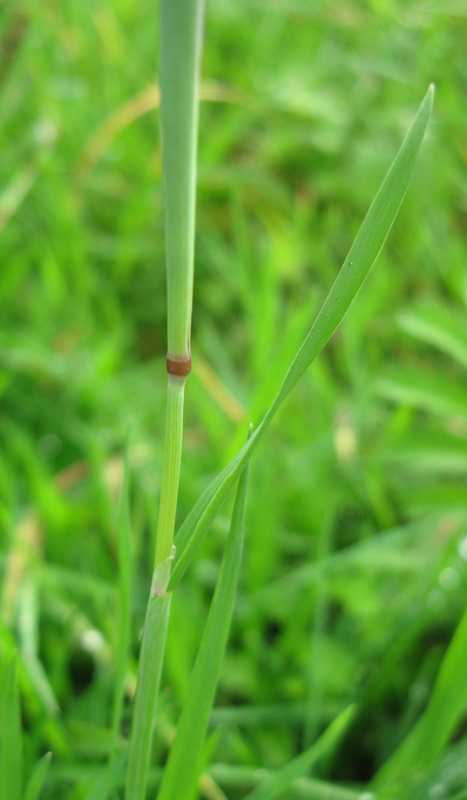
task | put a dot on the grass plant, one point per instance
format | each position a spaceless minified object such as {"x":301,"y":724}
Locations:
{"x":181,"y":30}
{"x":356,"y":510}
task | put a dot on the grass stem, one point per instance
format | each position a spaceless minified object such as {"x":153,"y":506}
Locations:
{"x":180,"y":55}
{"x":171,"y":470}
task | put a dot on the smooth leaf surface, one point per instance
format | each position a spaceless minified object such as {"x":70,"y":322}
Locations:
{"x":362,"y":255}
{"x":181,"y":772}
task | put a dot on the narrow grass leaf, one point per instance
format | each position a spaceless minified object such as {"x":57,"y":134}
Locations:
{"x":420,"y":749}
{"x":147,"y":691}
{"x":36,"y":781}
{"x":362,"y":255}
{"x":437,"y":325}
{"x":181,"y":772}
{"x":11,"y":756}
{"x":431,"y":392}
{"x":108,"y":779}
{"x":274,"y":786}
{"x":243,"y":777}
{"x":435,"y":454}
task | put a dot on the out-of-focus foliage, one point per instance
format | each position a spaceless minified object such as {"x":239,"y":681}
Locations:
{"x":354,"y":577}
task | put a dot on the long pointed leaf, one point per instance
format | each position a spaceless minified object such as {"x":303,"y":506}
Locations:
{"x":11,"y":755}
{"x":36,"y":781}
{"x":362,"y":255}
{"x":181,"y":772}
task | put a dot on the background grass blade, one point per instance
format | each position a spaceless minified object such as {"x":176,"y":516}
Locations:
{"x":363,"y":253}
{"x":11,"y":756}
{"x":420,"y":749}
{"x":108,"y":779}
{"x":427,"y":391}
{"x":282,"y":780}
{"x":235,"y":778}
{"x":36,"y":781}
{"x":124,"y":565}
{"x":181,"y":772}
{"x":439,"y":325}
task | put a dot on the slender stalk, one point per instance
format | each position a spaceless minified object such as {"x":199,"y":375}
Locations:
{"x":180,"y":54}
{"x":171,"y":471}
{"x":181,"y":40}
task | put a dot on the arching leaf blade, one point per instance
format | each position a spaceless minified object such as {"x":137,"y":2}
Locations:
{"x":362,"y":255}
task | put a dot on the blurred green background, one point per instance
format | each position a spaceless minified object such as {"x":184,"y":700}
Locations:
{"x":355,"y":570}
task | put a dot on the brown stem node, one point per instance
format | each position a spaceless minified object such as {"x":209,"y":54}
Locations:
{"x":179,"y":365}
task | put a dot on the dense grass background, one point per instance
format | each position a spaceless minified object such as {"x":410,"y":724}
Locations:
{"x":355,"y":571}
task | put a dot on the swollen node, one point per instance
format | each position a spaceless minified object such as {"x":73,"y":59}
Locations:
{"x":179,"y":365}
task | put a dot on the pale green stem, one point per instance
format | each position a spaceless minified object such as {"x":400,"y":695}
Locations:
{"x":171,"y":469}
{"x":157,"y":615}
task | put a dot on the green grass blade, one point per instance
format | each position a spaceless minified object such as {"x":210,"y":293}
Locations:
{"x":363,"y":253}
{"x":181,"y":772}
{"x":283,"y":779}
{"x":11,"y":755}
{"x":149,"y":675}
{"x":438,"y":325}
{"x":36,"y":781}
{"x":108,"y":779}
{"x":432,"y":392}
{"x":243,"y":777}
{"x":419,"y":751}
{"x":124,"y":564}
